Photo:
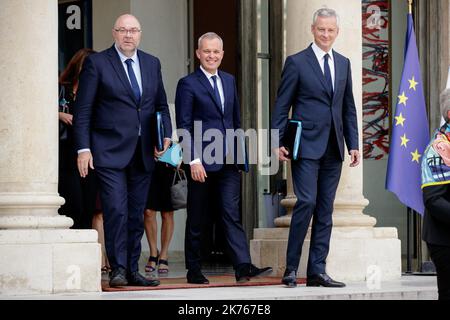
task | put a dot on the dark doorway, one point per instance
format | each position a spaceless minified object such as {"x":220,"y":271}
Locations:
{"x":74,"y":28}
{"x":221,"y":17}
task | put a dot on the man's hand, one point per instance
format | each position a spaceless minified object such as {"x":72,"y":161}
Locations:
{"x":282,"y":153}
{"x":157,"y":153}
{"x":84,"y":162}
{"x":66,"y":118}
{"x":198,"y":172}
{"x":355,"y":158}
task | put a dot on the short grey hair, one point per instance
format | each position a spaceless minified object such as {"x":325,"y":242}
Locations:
{"x":325,"y":13}
{"x":445,"y":104}
{"x":209,"y":36}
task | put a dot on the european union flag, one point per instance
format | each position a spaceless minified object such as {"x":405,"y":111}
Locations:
{"x":410,"y":133}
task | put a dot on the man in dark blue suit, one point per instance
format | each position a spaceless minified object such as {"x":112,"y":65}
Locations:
{"x":208,"y":98}
{"x":317,"y":84}
{"x":120,"y":90}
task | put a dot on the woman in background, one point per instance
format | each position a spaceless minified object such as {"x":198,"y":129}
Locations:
{"x":159,"y":200}
{"x":80,"y":193}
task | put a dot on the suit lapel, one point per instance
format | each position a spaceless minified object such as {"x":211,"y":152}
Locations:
{"x":227,"y":90}
{"x":205,"y":82}
{"x":337,"y":72}
{"x":312,"y":59}
{"x":118,"y":68}
{"x":145,"y":76}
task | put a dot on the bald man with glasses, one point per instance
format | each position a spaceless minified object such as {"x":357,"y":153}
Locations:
{"x":120,"y":90}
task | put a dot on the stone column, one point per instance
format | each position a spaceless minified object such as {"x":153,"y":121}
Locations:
{"x":356,"y":247}
{"x":38,"y":252}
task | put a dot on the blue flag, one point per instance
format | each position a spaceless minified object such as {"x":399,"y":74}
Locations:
{"x":410,"y":133}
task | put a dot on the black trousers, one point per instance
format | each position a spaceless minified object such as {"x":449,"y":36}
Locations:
{"x":223,"y":185}
{"x":440,"y":255}
{"x":123,"y":193}
{"x":315,"y":184}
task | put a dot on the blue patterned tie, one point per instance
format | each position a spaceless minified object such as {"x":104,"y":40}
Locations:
{"x":327,"y":73}
{"x":216,"y":92}
{"x":133,"y":80}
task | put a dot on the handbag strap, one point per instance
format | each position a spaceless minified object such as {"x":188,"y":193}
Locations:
{"x":180,"y":174}
{"x":62,"y":100}
{"x":62,"y":93}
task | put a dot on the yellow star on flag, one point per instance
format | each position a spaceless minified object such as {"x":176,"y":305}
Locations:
{"x":416,"y":156}
{"x":400,"y":120}
{"x":403,"y":98}
{"x":413,"y":84}
{"x":404,"y":141}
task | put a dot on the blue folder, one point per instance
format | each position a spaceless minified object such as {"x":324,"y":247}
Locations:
{"x":159,"y":132}
{"x":173,"y":155}
{"x":241,"y":154}
{"x":292,"y":137}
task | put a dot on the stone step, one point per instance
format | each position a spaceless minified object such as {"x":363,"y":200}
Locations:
{"x":408,"y":288}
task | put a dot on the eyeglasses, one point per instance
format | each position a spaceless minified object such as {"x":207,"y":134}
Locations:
{"x":123,"y":31}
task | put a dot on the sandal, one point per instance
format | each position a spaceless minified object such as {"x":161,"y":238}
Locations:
{"x":106,"y":269}
{"x":164,"y":262}
{"x":149,"y":267}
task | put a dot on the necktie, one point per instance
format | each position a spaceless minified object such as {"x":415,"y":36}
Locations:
{"x":219,"y":100}
{"x":133,"y":80}
{"x":216,"y":92}
{"x":327,"y":73}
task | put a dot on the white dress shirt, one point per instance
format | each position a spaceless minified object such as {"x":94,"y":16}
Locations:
{"x":320,"y":55}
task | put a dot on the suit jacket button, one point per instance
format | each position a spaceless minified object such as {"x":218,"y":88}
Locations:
{"x":139,"y":109}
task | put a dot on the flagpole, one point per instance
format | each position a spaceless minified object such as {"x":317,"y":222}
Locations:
{"x":416,"y":222}
{"x":414,"y":229}
{"x":408,"y":209}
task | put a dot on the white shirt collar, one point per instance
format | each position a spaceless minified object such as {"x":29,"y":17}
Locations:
{"x":123,"y":57}
{"x":207,"y":74}
{"x":320,"y":53}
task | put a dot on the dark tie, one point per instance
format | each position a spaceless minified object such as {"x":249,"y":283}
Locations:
{"x":327,"y":73}
{"x":216,"y":92}
{"x":133,"y":80}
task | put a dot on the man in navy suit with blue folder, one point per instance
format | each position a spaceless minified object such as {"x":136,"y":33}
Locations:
{"x":208,"y":98}
{"x":317,"y":84}
{"x":120,"y":90}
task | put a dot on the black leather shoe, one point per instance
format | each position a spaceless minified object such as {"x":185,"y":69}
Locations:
{"x":247,"y":271}
{"x":323,"y":280}
{"x":289,"y":278}
{"x":196,"y":277}
{"x":137,"y":280}
{"x":118,"y":278}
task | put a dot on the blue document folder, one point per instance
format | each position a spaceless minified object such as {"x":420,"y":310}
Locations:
{"x":159,"y":132}
{"x":241,"y":154}
{"x":173,"y":156}
{"x":292,"y":137}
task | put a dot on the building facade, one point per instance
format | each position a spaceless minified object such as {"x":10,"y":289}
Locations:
{"x":258,"y":35}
